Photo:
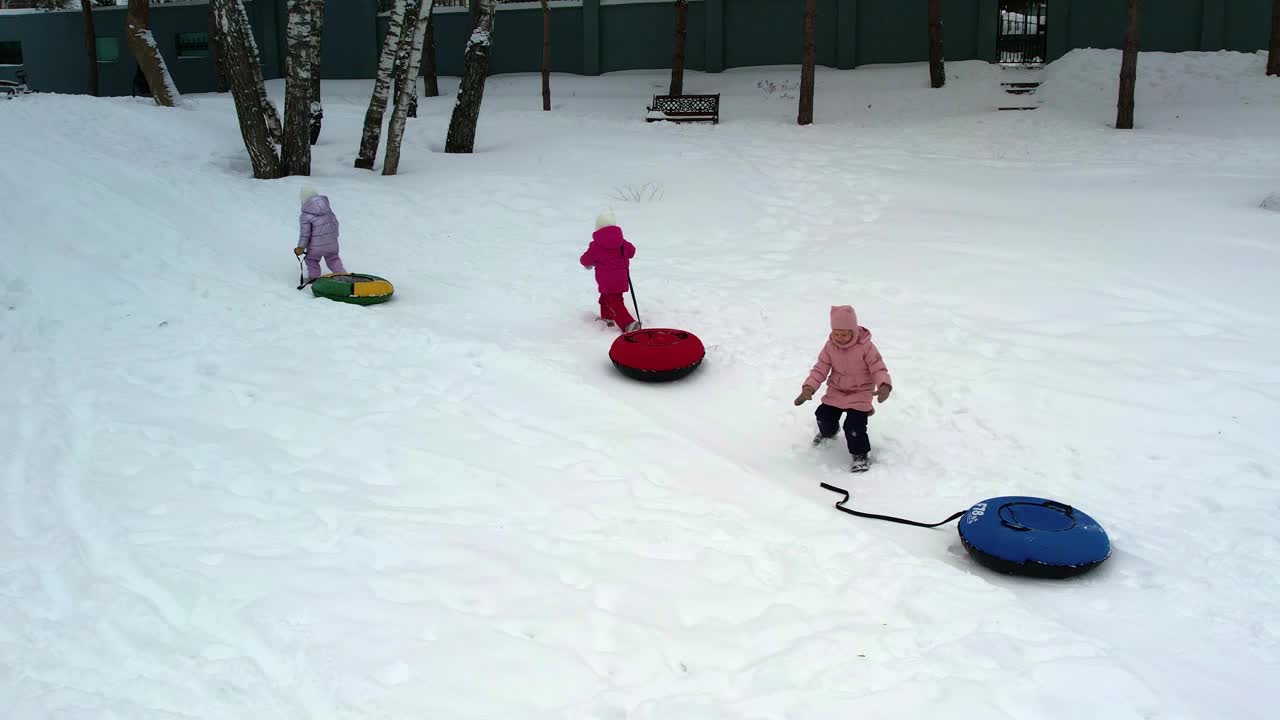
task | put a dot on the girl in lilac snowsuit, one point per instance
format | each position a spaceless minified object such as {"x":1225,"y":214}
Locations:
{"x":318,"y":234}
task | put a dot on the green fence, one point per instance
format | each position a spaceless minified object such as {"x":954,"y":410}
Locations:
{"x":1167,"y":25}
{"x":590,"y":37}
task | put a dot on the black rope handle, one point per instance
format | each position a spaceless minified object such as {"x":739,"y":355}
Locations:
{"x":1013,"y":524}
{"x":622,"y":250}
{"x":302,"y":276}
{"x":840,"y":506}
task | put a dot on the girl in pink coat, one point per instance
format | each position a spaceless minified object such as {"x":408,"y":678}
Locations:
{"x":854,"y":372}
{"x":610,"y":254}
{"x":318,"y":234}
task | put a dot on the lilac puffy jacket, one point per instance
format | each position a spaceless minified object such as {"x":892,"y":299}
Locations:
{"x":318,"y":227}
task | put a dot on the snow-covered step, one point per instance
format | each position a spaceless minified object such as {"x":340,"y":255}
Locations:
{"x":1021,"y":98}
{"x":1020,"y":85}
{"x":1020,"y":88}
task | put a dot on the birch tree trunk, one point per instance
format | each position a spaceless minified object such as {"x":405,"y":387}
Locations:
{"x":475,"y":68}
{"x":143,"y":45}
{"x":429,"y":73}
{"x":546,"y":56}
{"x":295,"y":151}
{"x":245,"y":73}
{"x":1273,"y":58}
{"x":807,"y":59}
{"x":677,"y":55}
{"x":937,"y":70}
{"x":317,"y":42}
{"x":220,"y":82}
{"x":1129,"y":67}
{"x":90,"y":46}
{"x":408,"y":91}
{"x":408,"y":32}
{"x":267,"y":109}
{"x":381,"y":83}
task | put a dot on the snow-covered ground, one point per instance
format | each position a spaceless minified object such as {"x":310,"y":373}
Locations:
{"x":224,"y":498}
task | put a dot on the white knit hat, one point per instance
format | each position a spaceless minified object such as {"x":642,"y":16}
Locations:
{"x":605,"y":219}
{"x":306,"y":193}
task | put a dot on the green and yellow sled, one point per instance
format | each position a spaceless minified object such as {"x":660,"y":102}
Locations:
{"x":354,"y":288}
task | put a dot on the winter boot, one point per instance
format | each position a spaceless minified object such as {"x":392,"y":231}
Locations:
{"x":860,"y":463}
{"x":819,"y":439}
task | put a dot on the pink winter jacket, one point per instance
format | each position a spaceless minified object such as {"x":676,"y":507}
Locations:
{"x":610,"y":254}
{"x":855,"y":371}
{"x":318,"y":227}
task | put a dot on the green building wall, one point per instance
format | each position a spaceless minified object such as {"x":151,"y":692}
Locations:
{"x":54,"y":57}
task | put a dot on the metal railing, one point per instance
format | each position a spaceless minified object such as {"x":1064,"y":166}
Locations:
{"x":1022,"y":34}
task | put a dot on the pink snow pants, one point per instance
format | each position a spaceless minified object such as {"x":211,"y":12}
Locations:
{"x":331,"y":259}
{"x":614,"y":307}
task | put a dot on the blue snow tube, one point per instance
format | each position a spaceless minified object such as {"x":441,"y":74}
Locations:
{"x":1033,"y":536}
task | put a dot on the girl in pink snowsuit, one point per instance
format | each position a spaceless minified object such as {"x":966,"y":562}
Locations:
{"x":854,"y":372}
{"x":610,"y":254}
{"x":318,"y":234}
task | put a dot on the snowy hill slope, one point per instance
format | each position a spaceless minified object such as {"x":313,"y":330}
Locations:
{"x":226,"y":498}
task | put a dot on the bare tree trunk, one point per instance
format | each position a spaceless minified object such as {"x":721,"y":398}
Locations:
{"x":1273,"y":57}
{"x":1129,"y":67}
{"x":401,"y":67}
{"x":546,"y":56}
{"x":267,"y":109}
{"x":317,"y":41}
{"x":677,"y":55}
{"x":408,"y":91}
{"x":404,"y":57}
{"x":220,"y":82}
{"x":245,"y":73}
{"x":295,"y":151}
{"x":143,"y":45}
{"x":937,"y":70}
{"x":475,"y":68}
{"x":270,"y":115}
{"x":429,"y":73}
{"x":381,"y":84}
{"x":90,"y":46}
{"x":807,"y":53}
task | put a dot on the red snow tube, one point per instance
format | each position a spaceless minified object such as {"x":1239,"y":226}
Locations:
{"x":657,"y":355}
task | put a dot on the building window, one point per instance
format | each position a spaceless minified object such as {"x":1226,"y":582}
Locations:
{"x":10,"y":52}
{"x":193,"y":45}
{"x":108,"y":49}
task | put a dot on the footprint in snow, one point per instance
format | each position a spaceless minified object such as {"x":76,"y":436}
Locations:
{"x":396,"y":673}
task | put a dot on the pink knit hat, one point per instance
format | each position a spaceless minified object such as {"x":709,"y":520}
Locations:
{"x":843,"y":318}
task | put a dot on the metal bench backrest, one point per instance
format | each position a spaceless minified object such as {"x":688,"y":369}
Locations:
{"x":686,"y":107}
{"x":687,"y":104}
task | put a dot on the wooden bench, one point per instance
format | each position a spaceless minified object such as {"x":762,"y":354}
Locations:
{"x":684,"y":108}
